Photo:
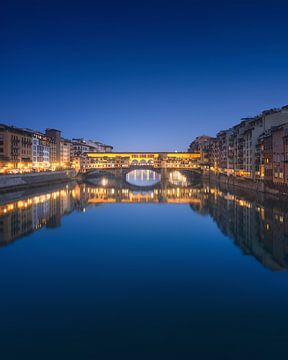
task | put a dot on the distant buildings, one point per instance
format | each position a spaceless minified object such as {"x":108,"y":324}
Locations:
{"x":79,"y":146}
{"x":25,"y":150}
{"x":203,"y":144}
{"x":256,"y":148}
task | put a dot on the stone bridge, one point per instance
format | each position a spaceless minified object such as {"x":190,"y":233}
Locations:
{"x":155,"y":161}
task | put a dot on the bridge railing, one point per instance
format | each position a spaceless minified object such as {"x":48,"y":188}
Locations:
{"x":162,"y":166}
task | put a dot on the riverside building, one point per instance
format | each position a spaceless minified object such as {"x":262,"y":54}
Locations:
{"x":204,"y":145}
{"x":26,"y":150}
{"x":42,"y":146}
{"x":55,"y":153}
{"x":256,"y":148}
{"x":15,"y":149}
{"x":65,"y":153}
{"x":81,"y":146}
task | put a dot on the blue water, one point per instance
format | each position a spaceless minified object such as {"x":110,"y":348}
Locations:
{"x":139,"y":280}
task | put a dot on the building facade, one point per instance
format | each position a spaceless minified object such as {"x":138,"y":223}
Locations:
{"x":81,"y":145}
{"x":279,"y":137}
{"x":256,"y":148}
{"x":55,"y":154}
{"x":204,"y":145}
{"x":25,"y":150}
{"x":41,"y":151}
{"x":65,"y":152}
{"x":15,"y":148}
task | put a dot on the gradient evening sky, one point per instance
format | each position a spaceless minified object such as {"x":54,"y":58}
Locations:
{"x":141,"y":75}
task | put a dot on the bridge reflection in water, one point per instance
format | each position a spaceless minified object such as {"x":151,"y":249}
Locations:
{"x":146,"y":178}
{"x":259,"y":226}
{"x":142,"y":177}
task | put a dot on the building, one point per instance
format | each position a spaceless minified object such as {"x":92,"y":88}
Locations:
{"x":97,"y":146}
{"x":224,"y":158}
{"x":203,"y":144}
{"x":41,"y":150}
{"x":81,"y":145}
{"x":41,"y":145}
{"x":268,"y":158}
{"x":23,"y":150}
{"x":246,"y":149}
{"x":55,"y":151}
{"x":259,"y":158}
{"x":279,"y":136}
{"x":15,"y":149}
{"x":257,"y":126}
{"x":215,"y":155}
{"x":65,"y":152}
{"x":103,"y":147}
{"x":249,"y":142}
{"x":79,"y":162}
{"x":238,"y":146}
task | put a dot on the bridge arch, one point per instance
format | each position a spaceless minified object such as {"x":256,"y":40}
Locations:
{"x":143,"y":176}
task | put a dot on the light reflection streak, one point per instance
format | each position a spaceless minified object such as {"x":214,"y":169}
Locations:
{"x":260,"y":228}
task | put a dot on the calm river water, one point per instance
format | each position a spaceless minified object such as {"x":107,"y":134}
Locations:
{"x":173,"y":269}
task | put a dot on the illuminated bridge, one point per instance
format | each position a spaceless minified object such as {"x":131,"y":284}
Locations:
{"x":152,"y":160}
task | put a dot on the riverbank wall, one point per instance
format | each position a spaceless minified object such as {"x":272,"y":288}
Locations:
{"x":258,"y":186}
{"x":25,"y":181}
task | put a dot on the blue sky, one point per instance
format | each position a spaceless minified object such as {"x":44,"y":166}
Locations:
{"x":147,"y":75}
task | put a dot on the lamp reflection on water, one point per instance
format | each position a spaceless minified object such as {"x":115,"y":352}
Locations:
{"x":143,"y":177}
{"x":178,"y":179}
{"x":104,"y":182}
{"x":262,"y":230}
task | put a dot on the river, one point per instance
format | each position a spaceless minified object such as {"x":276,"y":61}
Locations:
{"x":143,"y":269}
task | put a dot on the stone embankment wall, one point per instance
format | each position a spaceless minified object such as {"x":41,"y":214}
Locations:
{"x":24,"y":181}
{"x":246,"y":184}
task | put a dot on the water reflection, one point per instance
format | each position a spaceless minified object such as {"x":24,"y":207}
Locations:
{"x":259,"y":226}
{"x":143,"y":177}
{"x":178,"y":179}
